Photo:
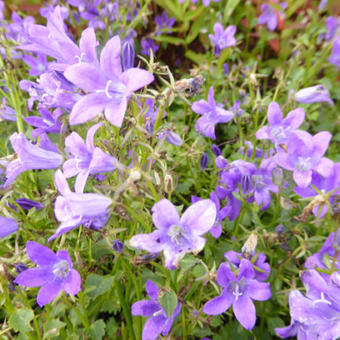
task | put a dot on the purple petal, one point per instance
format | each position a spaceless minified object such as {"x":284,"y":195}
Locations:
{"x":259,"y":291}
{"x":201,"y":107}
{"x":325,"y":167}
{"x":295,"y":118}
{"x":152,"y":290}
{"x":88,"y":45}
{"x":87,"y":108}
{"x":110,"y":58}
{"x":200,"y":217}
{"x":246,"y":269}
{"x":135,"y":78}
{"x":61,"y":183}
{"x":86,"y":76}
{"x":303,"y":179}
{"x":75,"y":144}
{"x":219,"y":304}
{"x":149,"y":242}
{"x":245,"y":312}
{"x":225,"y":275}
{"x":7,"y":226}
{"x":72,"y":284}
{"x":145,"y":307}
{"x":321,"y":141}
{"x":211,"y":99}
{"x":81,"y":181}
{"x":164,"y":214}
{"x":115,"y":112}
{"x":274,"y":114}
{"x":48,"y":292}
{"x":39,"y":254}
{"x":153,"y":327}
{"x":90,"y":136}
{"x":263,"y":133}
{"x":34,"y":277}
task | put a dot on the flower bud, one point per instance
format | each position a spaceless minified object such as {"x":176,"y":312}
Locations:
{"x":168,"y":184}
{"x":128,"y":53}
{"x":246,"y":184}
{"x":118,"y":246}
{"x":20,"y":267}
{"x":277,"y":176}
{"x":249,"y":248}
{"x":313,"y":94}
{"x":216,"y":150}
{"x":204,"y":161}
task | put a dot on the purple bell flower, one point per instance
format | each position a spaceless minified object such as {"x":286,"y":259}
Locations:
{"x":109,"y":88}
{"x":177,"y":236}
{"x":239,"y":290}
{"x":313,"y":94}
{"x":54,"y":273}
{"x":159,"y":322}
{"x":86,"y":159}
{"x":30,"y":157}
{"x":211,"y":113}
{"x":223,"y":38}
{"x":27,"y":204}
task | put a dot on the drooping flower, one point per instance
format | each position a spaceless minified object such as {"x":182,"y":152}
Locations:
{"x":86,"y":159}
{"x":239,"y":289}
{"x":30,"y":157}
{"x":223,"y":38}
{"x":212,"y":114}
{"x":280,"y":128}
{"x":73,"y":209}
{"x":305,"y":154}
{"x":7,"y":226}
{"x":270,"y":15}
{"x":177,"y":236}
{"x":109,"y":88}
{"x":313,"y":94}
{"x":159,"y":322}
{"x":54,"y":273}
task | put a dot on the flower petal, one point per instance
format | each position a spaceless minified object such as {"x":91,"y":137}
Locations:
{"x":135,"y":78}
{"x":149,"y":242}
{"x":152,"y":290}
{"x":7,"y":226}
{"x":274,"y":114}
{"x":245,"y":312}
{"x":110,"y":58}
{"x":39,"y":254}
{"x":115,"y":112}
{"x":259,"y":291}
{"x":164,"y":214}
{"x":153,"y":327}
{"x":200,"y":217}
{"x":295,"y":118}
{"x":34,"y":277}
{"x":145,"y":307}
{"x":48,"y":292}
{"x":219,"y":304}
{"x":72,"y":284}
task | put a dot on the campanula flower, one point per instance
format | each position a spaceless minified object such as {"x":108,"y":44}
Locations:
{"x":54,"y":273}
{"x":73,"y":209}
{"x":159,"y":322}
{"x":239,"y":290}
{"x":162,"y":22}
{"x":30,"y":157}
{"x":177,"y":236}
{"x":148,"y":44}
{"x":269,"y":15}
{"x":279,"y":128}
{"x":38,"y":65}
{"x":7,"y":226}
{"x":86,"y":159}
{"x":313,"y":94}
{"x":305,"y":154}
{"x":211,"y":114}
{"x":27,"y":204}
{"x":108,"y":87}
{"x":223,"y":38}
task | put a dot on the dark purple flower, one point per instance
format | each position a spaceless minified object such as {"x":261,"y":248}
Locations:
{"x":163,"y":22}
{"x":305,"y":154}
{"x":20,"y":267}
{"x":54,"y":273}
{"x":236,"y":108}
{"x":118,"y":246}
{"x":216,"y":150}
{"x":313,"y":94}
{"x":147,"y":45}
{"x":159,"y":322}
{"x":204,"y":161}
{"x":223,"y":38}
{"x":73,"y":209}
{"x":239,"y":289}
{"x":109,"y":88}
{"x":7,"y":226}
{"x":27,"y":204}
{"x":211,"y":113}
{"x":30,"y":157}
{"x":86,"y":159}
{"x":177,"y":236}
{"x":279,"y":128}
{"x":335,"y":56}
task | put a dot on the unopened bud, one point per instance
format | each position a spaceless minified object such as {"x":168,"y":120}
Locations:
{"x":168,"y":184}
{"x":128,"y":55}
{"x":118,"y":246}
{"x":277,"y":176}
{"x":204,"y":161}
{"x":249,"y":248}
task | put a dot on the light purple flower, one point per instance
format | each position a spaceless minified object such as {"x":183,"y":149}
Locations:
{"x":7,"y":112}
{"x":280,"y":128}
{"x":269,"y":16}
{"x":305,"y":154}
{"x":109,"y":88}
{"x":223,"y":38}
{"x":7,"y":226}
{"x":211,"y":113}
{"x":73,"y":209}
{"x":332,"y":25}
{"x":239,"y":289}
{"x":177,"y":236}
{"x":30,"y":157}
{"x":159,"y":322}
{"x":313,"y":94}
{"x":54,"y":273}
{"x":86,"y":159}
{"x":335,"y":56}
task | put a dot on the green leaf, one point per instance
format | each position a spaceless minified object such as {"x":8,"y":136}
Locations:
{"x":229,"y":9}
{"x":169,"y":39}
{"x":168,"y":302}
{"x":97,"y":285}
{"x":97,"y":329}
{"x":52,"y":328}
{"x":20,"y":320}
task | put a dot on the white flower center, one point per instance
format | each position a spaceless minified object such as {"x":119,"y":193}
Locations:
{"x":61,"y":270}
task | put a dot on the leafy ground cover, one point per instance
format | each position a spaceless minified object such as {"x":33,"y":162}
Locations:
{"x":170,"y":169}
